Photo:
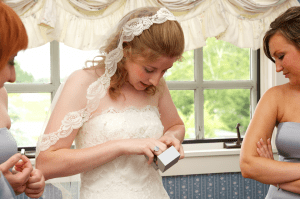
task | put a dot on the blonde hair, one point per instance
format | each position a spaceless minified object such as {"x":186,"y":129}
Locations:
{"x":164,"y":39}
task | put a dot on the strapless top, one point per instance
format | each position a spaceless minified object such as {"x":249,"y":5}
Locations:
{"x":128,"y":176}
{"x":288,"y":141}
{"x":8,"y":145}
{"x":288,"y":146}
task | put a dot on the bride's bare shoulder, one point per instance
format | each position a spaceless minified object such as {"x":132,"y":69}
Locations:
{"x":77,"y":85}
{"x":84,"y":77}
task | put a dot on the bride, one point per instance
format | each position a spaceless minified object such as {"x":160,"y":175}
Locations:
{"x":118,"y":111}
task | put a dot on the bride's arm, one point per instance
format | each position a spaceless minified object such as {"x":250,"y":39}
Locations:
{"x":174,"y":130}
{"x":261,"y":126}
{"x":59,"y":160}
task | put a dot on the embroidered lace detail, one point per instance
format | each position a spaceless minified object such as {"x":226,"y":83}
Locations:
{"x":129,"y":109}
{"x":133,"y":28}
{"x":136,"y":26}
{"x":98,"y":89}
{"x":128,"y":177}
{"x":113,"y":124}
{"x":75,"y":120}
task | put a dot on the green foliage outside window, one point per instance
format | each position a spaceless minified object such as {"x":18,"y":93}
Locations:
{"x":22,"y":76}
{"x":223,"y":109}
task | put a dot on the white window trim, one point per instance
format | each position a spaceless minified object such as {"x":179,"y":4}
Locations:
{"x":199,"y":85}
{"x":199,"y":158}
{"x":42,"y":88}
{"x":212,"y":158}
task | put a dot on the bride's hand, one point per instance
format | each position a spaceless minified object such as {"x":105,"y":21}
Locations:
{"x":171,"y":140}
{"x":265,"y":150}
{"x":144,"y":147}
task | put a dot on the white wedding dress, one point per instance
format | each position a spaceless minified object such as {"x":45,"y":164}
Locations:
{"x":126,"y":176}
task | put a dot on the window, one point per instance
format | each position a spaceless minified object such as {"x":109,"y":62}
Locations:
{"x":30,"y":96}
{"x":213,"y":88}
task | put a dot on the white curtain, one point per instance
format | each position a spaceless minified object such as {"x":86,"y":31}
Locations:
{"x":81,"y":24}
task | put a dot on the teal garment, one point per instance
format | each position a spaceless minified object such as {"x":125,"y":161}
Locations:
{"x":288,"y":146}
{"x":8,"y":145}
{"x":6,"y":191}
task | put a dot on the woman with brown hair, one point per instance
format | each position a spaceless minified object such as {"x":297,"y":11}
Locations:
{"x":278,"y":107}
{"x":118,"y":111}
{"x":13,"y":38}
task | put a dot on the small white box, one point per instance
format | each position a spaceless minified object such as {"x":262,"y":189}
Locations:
{"x":165,"y":160}
{"x":168,"y":158}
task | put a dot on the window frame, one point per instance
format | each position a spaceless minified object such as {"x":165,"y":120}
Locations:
{"x":198,"y":85}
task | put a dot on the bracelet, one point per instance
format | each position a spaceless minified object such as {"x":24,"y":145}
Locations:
{"x":278,"y":187}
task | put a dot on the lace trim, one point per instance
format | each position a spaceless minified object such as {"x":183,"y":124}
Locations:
{"x":128,"y":109}
{"x":98,"y":89}
{"x":75,"y":120}
{"x":133,"y":28}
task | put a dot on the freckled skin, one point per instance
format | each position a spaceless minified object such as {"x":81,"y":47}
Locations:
{"x":138,"y":76}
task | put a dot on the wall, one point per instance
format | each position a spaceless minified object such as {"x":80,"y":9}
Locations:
{"x":214,"y":186}
{"x":208,"y":186}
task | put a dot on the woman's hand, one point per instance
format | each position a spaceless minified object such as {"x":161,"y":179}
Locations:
{"x":171,"y":140}
{"x":19,"y":179}
{"x":143,"y":147}
{"x":35,"y":185}
{"x":265,"y":150}
{"x":36,"y":182}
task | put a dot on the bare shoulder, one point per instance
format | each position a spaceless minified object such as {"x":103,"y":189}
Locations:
{"x":82,"y":77}
{"x":276,"y":93}
{"x":76,"y":87}
{"x":3,"y":97}
{"x":5,"y":120}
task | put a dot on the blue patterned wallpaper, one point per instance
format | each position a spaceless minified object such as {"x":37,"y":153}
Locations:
{"x":214,"y":186}
{"x":207,"y":186}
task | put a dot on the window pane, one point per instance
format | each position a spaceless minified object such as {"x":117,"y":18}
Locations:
{"x":223,"y":109}
{"x":33,"y":65}
{"x":182,"y":70}
{"x":224,"y":61}
{"x":72,"y":59}
{"x":184,"y":101}
{"x":27,"y":112}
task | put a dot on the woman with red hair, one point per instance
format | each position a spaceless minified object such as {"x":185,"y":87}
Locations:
{"x":13,"y":38}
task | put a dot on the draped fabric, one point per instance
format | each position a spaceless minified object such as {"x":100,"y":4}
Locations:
{"x":81,"y":24}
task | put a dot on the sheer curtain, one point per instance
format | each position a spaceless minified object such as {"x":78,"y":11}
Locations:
{"x":81,"y":24}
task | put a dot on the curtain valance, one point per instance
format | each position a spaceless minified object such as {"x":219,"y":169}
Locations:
{"x":82,"y":24}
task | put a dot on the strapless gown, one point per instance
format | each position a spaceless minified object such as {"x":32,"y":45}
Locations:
{"x":126,"y":176}
{"x":288,"y":146}
{"x":8,"y":147}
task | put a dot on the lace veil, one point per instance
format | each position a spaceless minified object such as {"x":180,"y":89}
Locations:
{"x":131,"y":25}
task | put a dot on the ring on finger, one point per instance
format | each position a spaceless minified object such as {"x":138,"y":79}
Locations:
{"x":156,"y":148}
